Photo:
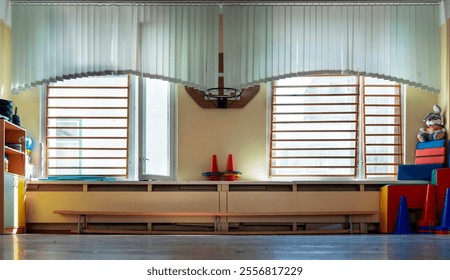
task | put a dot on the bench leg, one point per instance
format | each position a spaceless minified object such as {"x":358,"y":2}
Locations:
{"x":216,"y":223}
{"x":82,"y":223}
{"x":363,"y":227}
{"x":350,"y":223}
{"x":222,"y":225}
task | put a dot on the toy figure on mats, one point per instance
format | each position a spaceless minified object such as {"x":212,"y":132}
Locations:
{"x":433,"y":128}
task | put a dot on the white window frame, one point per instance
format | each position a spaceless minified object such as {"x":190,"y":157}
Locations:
{"x":44,"y":117}
{"x":360,"y":174}
{"x":172,"y":135}
{"x":399,"y":155}
{"x":136,"y":124}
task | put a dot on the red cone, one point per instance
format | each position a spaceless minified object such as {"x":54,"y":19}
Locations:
{"x":428,"y":220}
{"x":230,"y":163}
{"x":214,"y":167}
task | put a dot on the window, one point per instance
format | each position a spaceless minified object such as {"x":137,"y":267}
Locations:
{"x":382,"y":127}
{"x":157,"y":109}
{"x":316,"y":127}
{"x":93,"y":130}
{"x":87,"y":127}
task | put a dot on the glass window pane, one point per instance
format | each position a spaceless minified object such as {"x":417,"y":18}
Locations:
{"x":87,"y":127}
{"x":314,"y":126}
{"x":157,"y":128}
{"x":383,"y":131}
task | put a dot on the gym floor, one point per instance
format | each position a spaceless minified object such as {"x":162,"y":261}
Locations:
{"x":225,"y":247}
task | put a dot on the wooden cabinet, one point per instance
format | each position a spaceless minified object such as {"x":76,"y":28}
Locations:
{"x":288,"y":206}
{"x":12,"y":192}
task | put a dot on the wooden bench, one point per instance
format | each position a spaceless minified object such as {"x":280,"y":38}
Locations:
{"x":82,"y":216}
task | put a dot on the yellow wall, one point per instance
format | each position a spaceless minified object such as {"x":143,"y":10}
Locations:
{"x":201,"y":133}
{"x":418,"y":104}
{"x":445,"y":72}
{"x":5,"y":61}
{"x":27,"y":104}
{"x":204,"y":132}
{"x":241,"y":132}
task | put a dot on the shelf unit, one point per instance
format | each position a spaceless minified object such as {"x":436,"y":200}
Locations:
{"x":11,"y":134}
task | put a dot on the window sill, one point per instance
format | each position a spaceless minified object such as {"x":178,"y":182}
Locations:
{"x":306,"y":181}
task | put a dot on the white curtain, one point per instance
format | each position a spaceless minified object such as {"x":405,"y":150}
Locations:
{"x":67,"y":41}
{"x":5,"y":49}
{"x":398,"y":42}
{"x":5,"y":11}
{"x":247,"y":45}
{"x":181,"y":44}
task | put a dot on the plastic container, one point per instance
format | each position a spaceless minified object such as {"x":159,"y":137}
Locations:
{"x":6,"y":164}
{"x":15,"y":146}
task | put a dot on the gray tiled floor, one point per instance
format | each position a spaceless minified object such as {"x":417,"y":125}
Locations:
{"x":181,"y":247}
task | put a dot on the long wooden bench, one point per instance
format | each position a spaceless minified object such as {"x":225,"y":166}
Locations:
{"x":83,"y":215}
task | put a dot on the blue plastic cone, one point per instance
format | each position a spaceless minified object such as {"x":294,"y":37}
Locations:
{"x":403,"y":225}
{"x":444,"y":228}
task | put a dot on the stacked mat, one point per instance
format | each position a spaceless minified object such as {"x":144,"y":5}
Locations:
{"x":6,"y":109}
{"x":429,"y":156}
{"x":430,"y":152}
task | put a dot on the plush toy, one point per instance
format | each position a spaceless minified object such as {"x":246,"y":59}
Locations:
{"x":433,"y":128}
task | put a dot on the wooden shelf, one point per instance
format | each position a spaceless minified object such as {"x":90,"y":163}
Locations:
{"x":11,"y":126}
{"x":11,"y":151}
{"x":11,"y":134}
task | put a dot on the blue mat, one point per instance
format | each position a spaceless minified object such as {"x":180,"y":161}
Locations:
{"x":78,"y":178}
{"x":430,"y":144}
{"x":417,"y":171}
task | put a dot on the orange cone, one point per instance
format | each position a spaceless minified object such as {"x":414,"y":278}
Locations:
{"x":428,"y":221}
{"x":230,"y":163}
{"x":214,"y":167}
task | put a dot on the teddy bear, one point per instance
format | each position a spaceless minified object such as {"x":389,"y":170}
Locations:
{"x":433,"y":128}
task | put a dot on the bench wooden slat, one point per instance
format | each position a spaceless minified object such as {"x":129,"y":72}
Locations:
{"x":82,"y":217}
{"x":153,"y":232}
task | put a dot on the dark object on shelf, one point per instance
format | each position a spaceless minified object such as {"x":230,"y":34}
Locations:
{"x":17,"y":147}
{"x":6,"y":108}
{"x":16,"y":118}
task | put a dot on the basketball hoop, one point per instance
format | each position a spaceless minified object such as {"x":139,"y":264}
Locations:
{"x":222,"y":97}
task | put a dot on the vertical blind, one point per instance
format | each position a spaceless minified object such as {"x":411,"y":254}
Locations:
{"x":180,"y":44}
{"x":65,"y":41}
{"x":400,"y":42}
{"x":261,"y":43}
{"x":5,"y":11}
{"x":5,"y":60}
{"x":5,"y":48}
